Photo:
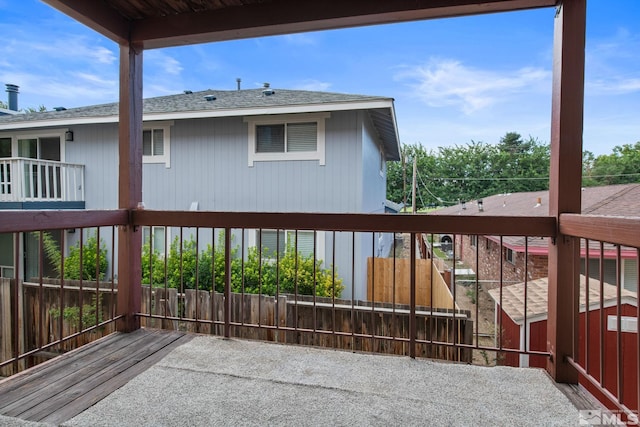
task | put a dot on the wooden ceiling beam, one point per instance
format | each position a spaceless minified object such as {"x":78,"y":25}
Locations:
{"x":293,"y":16}
{"x":97,"y":15}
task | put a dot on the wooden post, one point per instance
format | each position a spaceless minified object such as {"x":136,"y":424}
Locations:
{"x":130,"y":185}
{"x":565,"y":184}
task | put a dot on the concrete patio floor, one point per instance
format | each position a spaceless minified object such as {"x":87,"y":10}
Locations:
{"x":211,"y":381}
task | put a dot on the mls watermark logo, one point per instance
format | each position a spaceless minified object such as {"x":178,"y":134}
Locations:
{"x":598,"y":417}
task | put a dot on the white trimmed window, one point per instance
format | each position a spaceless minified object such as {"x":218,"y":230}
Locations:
{"x":156,"y":146}
{"x":510,"y":256}
{"x":473,"y":240}
{"x":159,"y":238}
{"x":274,"y":241}
{"x":287,"y":137}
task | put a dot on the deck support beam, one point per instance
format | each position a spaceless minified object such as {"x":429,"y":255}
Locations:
{"x":130,"y":185}
{"x":565,"y":185}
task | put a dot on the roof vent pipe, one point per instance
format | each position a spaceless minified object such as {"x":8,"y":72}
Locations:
{"x":12,"y":90}
{"x":267,"y":91}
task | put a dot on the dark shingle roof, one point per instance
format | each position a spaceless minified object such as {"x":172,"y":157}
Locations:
{"x":227,"y":100}
{"x":613,"y":200}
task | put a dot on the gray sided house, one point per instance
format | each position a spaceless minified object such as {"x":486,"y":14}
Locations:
{"x":256,"y":150}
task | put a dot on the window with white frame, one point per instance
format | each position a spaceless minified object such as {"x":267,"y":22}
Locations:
{"x":159,"y":238}
{"x":273,"y":242}
{"x":510,"y":256}
{"x":156,"y":143}
{"x":287,"y":137}
{"x":473,"y":240}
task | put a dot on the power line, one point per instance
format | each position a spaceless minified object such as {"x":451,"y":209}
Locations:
{"x":433,"y":195}
{"x":528,"y":178}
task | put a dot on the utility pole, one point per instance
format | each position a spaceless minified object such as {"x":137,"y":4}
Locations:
{"x":413,"y":187}
{"x":404,"y":183}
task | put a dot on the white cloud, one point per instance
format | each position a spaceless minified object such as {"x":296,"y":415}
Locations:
{"x":612,"y":64}
{"x":448,"y":82}
{"x":104,"y":55}
{"x":613,"y":86}
{"x":313,"y":85}
{"x":156,"y":59}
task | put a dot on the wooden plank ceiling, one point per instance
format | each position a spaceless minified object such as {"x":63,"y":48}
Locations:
{"x":163,"y":23}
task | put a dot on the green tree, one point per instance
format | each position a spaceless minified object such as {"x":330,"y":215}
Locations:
{"x":40,"y":108}
{"x":622,"y":166}
{"x":471,"y":171}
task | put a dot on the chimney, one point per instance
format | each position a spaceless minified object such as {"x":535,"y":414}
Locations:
{"x":538,"y":202}
{"x":238,"y":81}
{"x":12,"y":90}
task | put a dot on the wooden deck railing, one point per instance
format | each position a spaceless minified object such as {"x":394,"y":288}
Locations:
{"x":607,"y":353}
{"x":341,"y":320}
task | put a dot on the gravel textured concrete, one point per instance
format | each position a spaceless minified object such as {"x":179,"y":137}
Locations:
{"x":15,"y":422}
{"x":211,"y":381}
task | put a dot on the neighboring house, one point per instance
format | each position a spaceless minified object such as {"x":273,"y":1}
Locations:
{"x":258,"y":150}
{"x":532,"y":335}
{"x":612,"y":200}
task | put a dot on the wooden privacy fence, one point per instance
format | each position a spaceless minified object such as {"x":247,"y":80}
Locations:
{"x":312,"y":321}
{"x":323,"y":322}
{"x":38,"y":314}
{"x":391,"y":275}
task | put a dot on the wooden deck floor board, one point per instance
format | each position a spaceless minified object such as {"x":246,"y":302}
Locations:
{"x":44,"y":393}
{"x":77,"y":382}
{"x":101,"y":389}
{"x":49,"y":368}
{"x":18,"y":386}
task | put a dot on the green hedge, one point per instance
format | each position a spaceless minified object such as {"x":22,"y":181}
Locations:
{"x":293,"y":270}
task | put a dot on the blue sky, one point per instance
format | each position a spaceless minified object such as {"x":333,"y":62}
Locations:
{"x":453,"y":80}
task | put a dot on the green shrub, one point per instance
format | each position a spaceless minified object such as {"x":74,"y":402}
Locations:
{"x":293,"y":270}
{"x":94,"y":262}
{"x":72,"y":314}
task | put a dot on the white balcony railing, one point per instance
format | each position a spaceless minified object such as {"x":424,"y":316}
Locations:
{"x":33,"y":180}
